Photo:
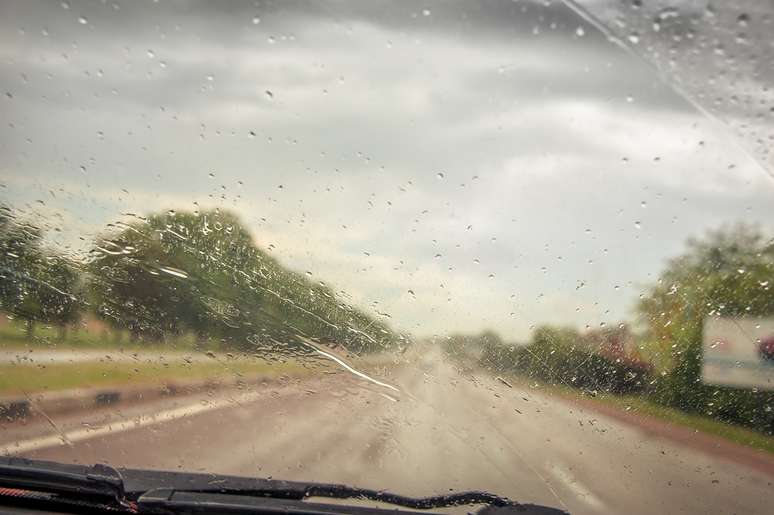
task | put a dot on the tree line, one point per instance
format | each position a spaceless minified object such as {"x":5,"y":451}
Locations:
{"x":174,"y":273}
{"x":728,"y":272}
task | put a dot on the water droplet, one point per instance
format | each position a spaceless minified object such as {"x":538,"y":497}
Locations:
{"x":65,"y":5}
{"x":83,"y":169}
{"x":426,"y":12}
{"x":440,"y":175}
{"x":150,"y":54}
{"x":269,"y":94}
{"x":174,"y":272}
{"x":634,"y":38}
{"x":82,"y":20}
{"x":580,"y":32}
{"x":643,"y":204}
{"x":211,"y":175}
{"x":743,"y":19}
{"x":637,"y":225}
{"x":256,"y":20}
{"x":666,"y":13}
{"x":411,"y":292}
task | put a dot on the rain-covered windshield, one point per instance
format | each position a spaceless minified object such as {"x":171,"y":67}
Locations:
{"x":524,"y":247}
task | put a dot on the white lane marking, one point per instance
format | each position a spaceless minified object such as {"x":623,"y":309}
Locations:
{"x":77,"y":435}
{"x":576,"y":487}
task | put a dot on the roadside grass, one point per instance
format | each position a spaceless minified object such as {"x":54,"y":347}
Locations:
{"x":33,"y":378}
{"x":644,"y":406}
{"x":18,"y":376}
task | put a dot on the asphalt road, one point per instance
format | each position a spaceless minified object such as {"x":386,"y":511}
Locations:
{"x":440,"y":430}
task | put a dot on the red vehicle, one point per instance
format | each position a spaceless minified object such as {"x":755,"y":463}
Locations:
{"x":766,"y":348}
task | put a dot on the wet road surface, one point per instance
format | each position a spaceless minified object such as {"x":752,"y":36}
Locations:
{"x":443,"y":430}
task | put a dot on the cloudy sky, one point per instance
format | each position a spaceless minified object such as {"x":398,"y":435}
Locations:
{"x":456,"y":165}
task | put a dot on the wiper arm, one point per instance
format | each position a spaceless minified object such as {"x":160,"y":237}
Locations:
{"x":101,"y":481}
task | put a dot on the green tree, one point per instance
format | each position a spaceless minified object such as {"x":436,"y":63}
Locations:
{"x":36,"y":284}
{"x":202,"y":272}
{"x":727,"y":273}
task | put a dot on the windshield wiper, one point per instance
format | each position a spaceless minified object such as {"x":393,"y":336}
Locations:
{"x":100,"y":485}
{"x":102,"y":481}
{"x":166,"y":500}
{"x":146,"y":491}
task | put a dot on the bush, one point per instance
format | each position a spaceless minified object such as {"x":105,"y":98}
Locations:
{"x":559,"y":356}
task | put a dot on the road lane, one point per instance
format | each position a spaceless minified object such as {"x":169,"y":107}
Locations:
{"x":444,"y":431}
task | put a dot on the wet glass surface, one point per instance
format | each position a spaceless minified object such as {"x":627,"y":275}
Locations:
{"x":418,"y":247}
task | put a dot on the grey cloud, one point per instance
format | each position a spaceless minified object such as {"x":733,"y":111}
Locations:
{"x":356,"y":133}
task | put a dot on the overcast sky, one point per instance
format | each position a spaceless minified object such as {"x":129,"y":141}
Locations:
{"x":456,"y":165}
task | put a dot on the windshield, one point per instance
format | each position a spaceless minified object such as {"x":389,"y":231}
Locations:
{"x":521,"y":247}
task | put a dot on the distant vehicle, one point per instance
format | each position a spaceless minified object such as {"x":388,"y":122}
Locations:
{"x":766,"y":349}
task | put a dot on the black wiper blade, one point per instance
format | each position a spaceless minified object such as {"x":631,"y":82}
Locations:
{"x":100,"y":481}
{"x":334,"y":491}
{"x":156,"y":491}
{"x":293,"y":500}
{"x":169,"y":501}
